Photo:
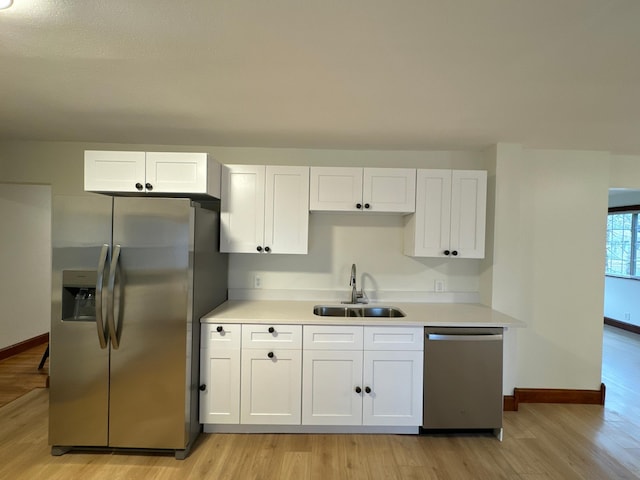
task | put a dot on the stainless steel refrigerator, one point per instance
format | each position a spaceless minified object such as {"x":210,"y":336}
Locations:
{"x":131,"y":279}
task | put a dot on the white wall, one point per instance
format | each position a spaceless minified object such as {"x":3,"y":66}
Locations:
{"x":25,"y":262}
{"x":373,"y":242}
{"x":548,"y":267}
{"x":625,"y":171}
{"x":621,"y":300}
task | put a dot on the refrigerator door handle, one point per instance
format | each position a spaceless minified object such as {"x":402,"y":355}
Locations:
{"x":115,"y":340}
{"x":102,"y":337}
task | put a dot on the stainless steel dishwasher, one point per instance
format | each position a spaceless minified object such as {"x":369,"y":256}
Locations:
{"x":463,"y":378}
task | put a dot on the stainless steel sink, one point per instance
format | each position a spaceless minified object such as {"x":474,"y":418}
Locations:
{"x":357,"y":311}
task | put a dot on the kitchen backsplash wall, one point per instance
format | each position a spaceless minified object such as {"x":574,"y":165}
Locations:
{"x":374,"y":242}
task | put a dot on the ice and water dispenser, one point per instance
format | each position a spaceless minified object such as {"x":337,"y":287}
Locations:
{"x":79,"y":295}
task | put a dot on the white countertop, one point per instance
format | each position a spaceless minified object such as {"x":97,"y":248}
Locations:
{"x":301,"y":312}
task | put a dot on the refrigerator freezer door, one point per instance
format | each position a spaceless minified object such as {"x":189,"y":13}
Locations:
{"x":79,"y":367}
{"x":151,"y":303}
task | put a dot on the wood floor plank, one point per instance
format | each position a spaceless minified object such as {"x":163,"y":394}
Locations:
{"x":19,"y":374}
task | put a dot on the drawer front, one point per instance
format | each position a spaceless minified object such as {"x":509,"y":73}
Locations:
{"x":393,"y":338}
{"x":220,"y":336}
{"x":280,"y":336}
{"x":339,"y":337}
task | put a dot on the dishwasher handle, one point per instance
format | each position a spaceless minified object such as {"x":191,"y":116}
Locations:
{"x":464,"y":338}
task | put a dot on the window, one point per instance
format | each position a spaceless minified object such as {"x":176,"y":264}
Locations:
{"x":623,"y":243}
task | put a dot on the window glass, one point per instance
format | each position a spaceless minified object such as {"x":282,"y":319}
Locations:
{"x":623,"y":249}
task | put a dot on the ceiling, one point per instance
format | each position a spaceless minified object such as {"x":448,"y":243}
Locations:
{"x":355,"y":74}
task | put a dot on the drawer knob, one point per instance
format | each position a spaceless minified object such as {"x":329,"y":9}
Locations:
{"x":259,"y":248}
{"x":148,"y":186}
{"x":454,"y":253}
{"x":358,"y":390}
{"x":270,"y":354}
{"x":447,"y":252}
{"x":367,"y":389}
{"x":139,"y":186}
{"x":359,"y":206}
{"x":271,"y":329}
{"x":202,"y":387}
{"x":267,"y":249}
{"x":219,"y":329}
{"x":367,"y":206}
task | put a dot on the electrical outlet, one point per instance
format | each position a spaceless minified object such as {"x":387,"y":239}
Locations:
{"x":257,"y":281}
{"x":439,"y":286}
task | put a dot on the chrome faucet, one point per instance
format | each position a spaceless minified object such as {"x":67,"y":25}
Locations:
{"x":356,"y":296}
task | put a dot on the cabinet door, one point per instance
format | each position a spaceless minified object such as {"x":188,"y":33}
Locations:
{"x":271,"y":387}
{"x":286,"y":222}
{"x":395,"y":382}
{"x":335,"y":189}
{"x":331,"y":380}
{"x":431,"y":222}
{"x":389,"y":190}
{"x":242,"y":208}
{"x":220,"y":375}
{"x":114,"y":171}
{"x":468,"y":212}
{"x":176,"y":172}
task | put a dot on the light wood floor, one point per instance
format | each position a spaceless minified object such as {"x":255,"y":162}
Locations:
{"x":19,"y":374}
{"x":541,"y":441}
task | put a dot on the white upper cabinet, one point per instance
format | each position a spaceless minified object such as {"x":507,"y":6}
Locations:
{"x":158,"y":173}
{"x":114,"y":171}
{"x":341,"y":189}
{"x":264,"y":209}
{"x":450,"y":214}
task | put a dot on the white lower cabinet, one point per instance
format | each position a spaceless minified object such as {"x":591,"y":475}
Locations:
{"x":220,"y":374}
{"x":316,"y":375}
{"x":395,"y":381}
{"x":346,"y":385}
{"x":332,"y":387}
{"x":271,"y":376}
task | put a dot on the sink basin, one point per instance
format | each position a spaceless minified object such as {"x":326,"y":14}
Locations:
{"x":357,"y":311}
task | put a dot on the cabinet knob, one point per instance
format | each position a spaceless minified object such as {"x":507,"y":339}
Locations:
{"x":454,"y":253}
{"x":259,"y":248}
{"x":367,"y":389}
{"x":139,"y":186}
{"x":367,"y":206}
{"x":219,"y":329}
{"x":270,"y":354}
{"x":359,"y":206}
{"x":447,"y":252}
{"x":202,"y":387}
{"x":267,"y":249}
{"x":358,"y":390}
{"x":271,"y":329}
{"x":148,"y":186}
